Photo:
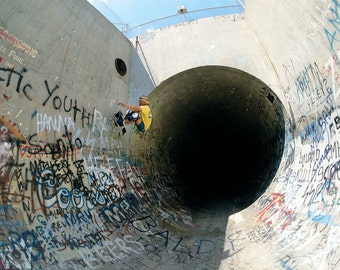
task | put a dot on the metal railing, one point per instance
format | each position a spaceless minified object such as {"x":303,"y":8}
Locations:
{"x":181,"y":17}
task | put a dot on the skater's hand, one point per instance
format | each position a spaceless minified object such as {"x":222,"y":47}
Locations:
{"x":121,"y":103}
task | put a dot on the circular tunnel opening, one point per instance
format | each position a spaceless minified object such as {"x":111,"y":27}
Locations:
{"x":223,"y":129}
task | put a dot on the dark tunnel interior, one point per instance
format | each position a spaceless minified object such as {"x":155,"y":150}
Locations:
{"x":224,"y":131}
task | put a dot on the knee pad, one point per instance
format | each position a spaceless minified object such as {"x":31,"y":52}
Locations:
{"x":132,"y":116}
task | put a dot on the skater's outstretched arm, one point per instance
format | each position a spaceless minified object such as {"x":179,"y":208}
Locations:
{"x":131,"y":107}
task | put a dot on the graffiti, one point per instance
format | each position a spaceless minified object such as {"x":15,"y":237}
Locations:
{"x":275,"y":210}
{"x":311,"y":86}
{"x":20,"y":249}
{"x":48,"y":195}
{"x":331,"y":32}
{"x":319,"y":18}
{"x":11,"y":75}
{"x":12,"y":54}
{"x":322,"y":203}
{"x":16,"y":42}
{"x":329,"y":70}
{"x":47,"y":123}
{"x":261,"y":234}
{"x":115,"y":251}
{"x":158,"y":245}
{"x":54,"y":150}
{"x":293,"y":262}
{"x":69,"y":105}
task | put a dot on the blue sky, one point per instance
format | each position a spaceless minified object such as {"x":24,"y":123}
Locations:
{"x":131,"y":13}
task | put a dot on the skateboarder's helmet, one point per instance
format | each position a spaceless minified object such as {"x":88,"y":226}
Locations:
{"x":144,"y":99}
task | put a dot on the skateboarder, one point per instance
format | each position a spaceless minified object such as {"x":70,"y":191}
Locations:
{"x":140,"y":115}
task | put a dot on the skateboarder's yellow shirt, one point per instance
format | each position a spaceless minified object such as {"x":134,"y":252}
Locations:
{"x":146,"y":116}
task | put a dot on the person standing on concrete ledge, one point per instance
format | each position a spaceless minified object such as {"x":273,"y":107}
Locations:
{"x":140,"y":115}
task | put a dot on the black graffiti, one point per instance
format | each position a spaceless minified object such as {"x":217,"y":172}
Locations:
{"x":10,"y":78}
{"x":67,"y":104}
{"x":50,"y":93}
{"x":127,"y":209}
{"x":57,"y":150}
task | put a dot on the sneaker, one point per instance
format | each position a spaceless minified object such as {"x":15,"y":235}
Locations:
{"x":119,"y":120}
{"x":118,"y":114}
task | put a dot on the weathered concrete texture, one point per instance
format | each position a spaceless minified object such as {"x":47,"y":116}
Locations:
{"x":238,"y":171}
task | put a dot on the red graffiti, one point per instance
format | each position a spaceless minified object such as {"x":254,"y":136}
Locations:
{"x":275,"y":207}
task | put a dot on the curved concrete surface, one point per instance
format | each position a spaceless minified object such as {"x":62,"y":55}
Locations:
{"x":218,"y":117}
{"x":238,"y":171}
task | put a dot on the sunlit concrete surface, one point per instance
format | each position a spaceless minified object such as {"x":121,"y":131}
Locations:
{"x":238,"y":171}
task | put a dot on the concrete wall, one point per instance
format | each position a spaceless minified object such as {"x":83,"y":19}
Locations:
{"x":76,"y":194}
{"x":223,"y":40}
